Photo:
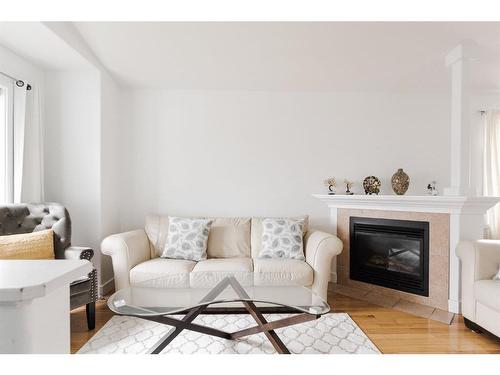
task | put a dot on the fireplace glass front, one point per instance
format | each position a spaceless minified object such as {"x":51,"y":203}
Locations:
{"x":390,"y":253}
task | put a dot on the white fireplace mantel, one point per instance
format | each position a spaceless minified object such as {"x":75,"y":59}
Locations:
{"x":416,"y":203}
{"x":467,"y":220}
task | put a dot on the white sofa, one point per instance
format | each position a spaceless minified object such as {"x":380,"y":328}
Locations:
{"x":233,"y":249}
{"x":480,"y":294}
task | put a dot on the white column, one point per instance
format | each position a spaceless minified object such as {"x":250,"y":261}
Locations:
{"x":458,"y":61}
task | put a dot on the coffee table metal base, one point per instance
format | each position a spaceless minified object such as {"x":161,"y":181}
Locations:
{"x":263,"y":326}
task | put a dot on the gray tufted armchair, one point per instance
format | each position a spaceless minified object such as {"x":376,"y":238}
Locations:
{"x":27,"y":218}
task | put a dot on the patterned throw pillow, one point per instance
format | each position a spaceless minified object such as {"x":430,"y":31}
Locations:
{"x":282,"y":238}
{"x":187,"y":238}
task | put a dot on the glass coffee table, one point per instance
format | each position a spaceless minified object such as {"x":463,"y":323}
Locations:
{"x":228,"y":296}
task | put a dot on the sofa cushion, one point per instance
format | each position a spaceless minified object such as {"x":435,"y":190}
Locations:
{"x":157,"y":229}
{"x":488,"y":293}
{"x":229,"y":238}
{"x":282,"y":272}
{"x":256,"y":232}
{"x":162,"y":273}
{"x":207,"y":273}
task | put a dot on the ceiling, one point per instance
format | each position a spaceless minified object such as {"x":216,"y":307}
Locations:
{"x":35,"y":42}
{"x":291,"y":56}
{"x":352,"y":56}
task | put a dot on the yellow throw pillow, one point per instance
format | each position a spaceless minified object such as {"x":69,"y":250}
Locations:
{"x":36,"y":245}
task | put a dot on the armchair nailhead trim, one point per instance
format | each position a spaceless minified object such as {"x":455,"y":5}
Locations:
{"x":86,"y":254}
{"x":93,"y":285}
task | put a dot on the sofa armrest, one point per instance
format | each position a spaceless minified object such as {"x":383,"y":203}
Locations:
{"x":480,"y":261}
{"x":78,"y":252}
{"x":126,"y":250}
{"x":321,"y":247}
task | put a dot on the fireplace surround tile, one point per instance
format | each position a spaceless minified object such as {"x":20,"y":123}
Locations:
{"x":393,"y":302}
{"x":350,"y":291}
{"x":414,"y":308}
{"x":381,"y":300}
{"x":442,"y":316}
{"x":438,"y":255}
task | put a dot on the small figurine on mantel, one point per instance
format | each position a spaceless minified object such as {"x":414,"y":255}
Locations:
{"x":348,"y":186}
{"x":331,"y":183}
{"x":432,"y":188}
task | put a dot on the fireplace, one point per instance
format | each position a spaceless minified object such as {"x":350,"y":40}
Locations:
{"x":390,"y":253}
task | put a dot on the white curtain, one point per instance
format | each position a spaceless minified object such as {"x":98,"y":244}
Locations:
{"x":28,"y":152}
{"x":491,"y":173}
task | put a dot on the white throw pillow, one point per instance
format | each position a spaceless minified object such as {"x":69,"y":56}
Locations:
{"x":282,"y":238}
{"x":497,"y":276}
{"x":187,"y":238}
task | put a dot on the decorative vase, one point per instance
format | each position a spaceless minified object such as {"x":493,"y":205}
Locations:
{"x":371,"y":184}
{"x":400,"y":182}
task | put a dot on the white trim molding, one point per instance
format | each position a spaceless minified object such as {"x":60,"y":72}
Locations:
{"x":417,"y":203}
{"x":333,"y":277}
{"x":107,"y":287}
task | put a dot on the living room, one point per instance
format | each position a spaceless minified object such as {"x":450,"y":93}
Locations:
{"x":191,"y":186}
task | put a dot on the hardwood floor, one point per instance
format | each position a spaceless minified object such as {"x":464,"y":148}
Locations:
{"x":392,"y":331}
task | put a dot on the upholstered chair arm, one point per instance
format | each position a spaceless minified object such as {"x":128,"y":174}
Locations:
{"x":126,"y":250}
{"x":78,"y":252}
{"x":321,"y":247}
{"x":480,"y":261}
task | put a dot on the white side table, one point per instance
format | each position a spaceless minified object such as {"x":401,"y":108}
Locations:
{"x":34,"y":304}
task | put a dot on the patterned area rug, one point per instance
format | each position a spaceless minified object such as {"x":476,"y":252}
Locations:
{"x":332,"y":333}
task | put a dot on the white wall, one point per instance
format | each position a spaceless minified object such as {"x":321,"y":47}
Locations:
{"x":72,"y":151}
{"x":82,"y":156}
{"x":111,"y":169}
{"x":89,"y":120}
{"x":264,"y":153}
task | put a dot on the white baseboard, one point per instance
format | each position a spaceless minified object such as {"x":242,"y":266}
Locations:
{"x":333,"y":277}
{"x":107,"y":287}
{"x":454,"y":306}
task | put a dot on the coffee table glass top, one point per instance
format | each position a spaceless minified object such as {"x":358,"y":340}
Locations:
{"x":148,"y":301}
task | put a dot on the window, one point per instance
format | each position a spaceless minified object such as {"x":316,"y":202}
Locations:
{"x":491,"y":175}
{"x":6,"y":139}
